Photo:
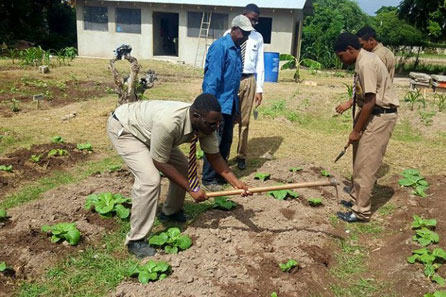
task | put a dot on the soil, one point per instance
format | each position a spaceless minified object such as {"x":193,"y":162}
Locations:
{"x":24,"y":169}
{"x":236,"y":253}
{"x":72,"y":91}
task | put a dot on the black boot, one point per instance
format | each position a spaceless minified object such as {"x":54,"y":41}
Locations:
{"x":141,"y":249}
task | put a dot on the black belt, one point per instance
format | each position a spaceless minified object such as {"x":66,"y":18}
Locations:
{"x":246,"y":75}
{"x":114,"y":116}
{"x":377,"y":110}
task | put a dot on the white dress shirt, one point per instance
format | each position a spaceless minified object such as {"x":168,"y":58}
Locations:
{"x":254,"y":58}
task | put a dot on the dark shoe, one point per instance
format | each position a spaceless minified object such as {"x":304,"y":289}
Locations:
{"x":212,"y":187}
{"x":241,"y":164}
{"x":347,"y":204}
{"x":349,"y":217}
{"x":141,"y":249}
{"x":177,"y":217}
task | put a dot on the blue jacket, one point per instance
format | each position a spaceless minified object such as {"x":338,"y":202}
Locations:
{"x":222,"y":73}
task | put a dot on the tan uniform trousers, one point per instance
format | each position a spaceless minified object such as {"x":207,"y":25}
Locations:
{"x":146,"y":188}
{"x":246,"y":94}
{"x":368,"y":154}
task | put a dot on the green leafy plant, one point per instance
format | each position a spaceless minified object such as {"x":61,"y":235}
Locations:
{"x":69,"y":53}
{"x":436,"y":294}
{"x":427,"y":117}
{"x":84,"y":147}
{"x":15,"y":105}
{"x":419,"y":222}
{"x":274,"y":294}
{"x":295,"y":169}
{"x":412,"y":178}
{"x":57,"y":152}
{"x":325,"y":173}
{"x":3,"y":266}
{"x":108,"y":204}
{"x":7,"y":168}
{"x":3,"y":214}
{"x":290,"y":264}
{"x":262,"y":176}
{"x":315,"y":201}
{"x":112,"y":168}
{"x":223,"y":203}
{"x":440,"y":101}
{"x":413,"y":97}
{"x":425,"y":237}
{"x":283,"y":194}
{"x":431,"y":261}
{"x":151,"y":271}
{"x":57,"y":139}
{"x":63,"y":231}
{"x":171,"y":240}
{"x":200,"y":154}
{"x":35,"y":158}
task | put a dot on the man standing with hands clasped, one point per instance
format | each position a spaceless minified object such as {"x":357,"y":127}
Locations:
{"x":222,"y":73}
{"x":373,"y":126}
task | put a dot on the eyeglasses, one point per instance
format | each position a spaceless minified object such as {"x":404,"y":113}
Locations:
{"x":210,"y":125}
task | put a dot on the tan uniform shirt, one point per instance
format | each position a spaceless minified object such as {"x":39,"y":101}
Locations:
{"x":373,"y":78}
{"x":387,"y":57}
{"x":162,"y":125}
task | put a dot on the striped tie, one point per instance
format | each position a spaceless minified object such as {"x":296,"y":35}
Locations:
{"x":243,"y":53}
{"x":192,"y":168}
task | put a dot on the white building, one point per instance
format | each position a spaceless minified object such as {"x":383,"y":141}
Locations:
{"x":170,"y":29}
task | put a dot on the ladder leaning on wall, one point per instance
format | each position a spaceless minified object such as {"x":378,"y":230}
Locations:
{"x":203,"y":35}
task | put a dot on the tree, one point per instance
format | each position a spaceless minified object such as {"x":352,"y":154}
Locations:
{"x":330,"y":18}
{"x":429,"y":16}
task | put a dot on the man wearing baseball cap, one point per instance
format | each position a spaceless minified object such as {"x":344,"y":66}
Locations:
{"x":222,"y":74}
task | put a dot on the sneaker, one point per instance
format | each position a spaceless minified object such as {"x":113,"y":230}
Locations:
{"x":212,"y":187}
{"x":177,"y":217}
{"x":241,"y":164}
{"x":349,"y":217}
{"x":347,"y":204}
{"x":140,"y":248}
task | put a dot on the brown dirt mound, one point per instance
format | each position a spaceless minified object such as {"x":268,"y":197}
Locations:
{"x":24,"y":169}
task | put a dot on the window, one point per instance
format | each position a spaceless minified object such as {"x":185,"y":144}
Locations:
{"x":128,"y":20}
{"x":95,"y":18}
{"x":219,"y":24}
{"x":264,"y":27}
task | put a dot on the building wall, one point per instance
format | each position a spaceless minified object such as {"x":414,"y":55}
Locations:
{"x":102,"y":44}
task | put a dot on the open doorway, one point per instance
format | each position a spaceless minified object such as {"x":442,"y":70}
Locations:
{"x":165,"y":34}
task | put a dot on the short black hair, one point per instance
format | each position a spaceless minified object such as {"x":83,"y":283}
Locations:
{"x":205,"y":103}
{"x":344,"y":40}
{"x":366,"y":33}
{"x":252,"y":8}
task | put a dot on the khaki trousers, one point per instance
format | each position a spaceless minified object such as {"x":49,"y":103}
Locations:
{"x":246,"y":94}
{"x":146,"y":188}
{"x":368,"y":154}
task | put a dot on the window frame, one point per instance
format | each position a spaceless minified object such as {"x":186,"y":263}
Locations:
{"x":91,"y":25}
{"x":123,"y":25}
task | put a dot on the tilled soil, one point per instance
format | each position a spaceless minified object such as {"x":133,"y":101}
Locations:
{"x":24,"y":169}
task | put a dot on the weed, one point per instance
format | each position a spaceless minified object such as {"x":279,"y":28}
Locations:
{"x":440,"y":101}
{"x":3,"y":266}
{"x":427,"y":117}
{"x":3,"y":214}
{"x":112,"y":168}
{"x":63,"y":231}
{"x":274,"y":294}
{"x":290,"y":264}
{"x":15,"y":105}
{"x":325,"y":173}
{"x":295,"y":169}
{"x":171,"y":240}
{"x":57,"y":139}
{"x":151,"y":271}
{"x":7,"y":168}
{"x":107,"y":204}
{"x":386,"y":209}
{"x":315,"y":201}
{"x":223,"y":203}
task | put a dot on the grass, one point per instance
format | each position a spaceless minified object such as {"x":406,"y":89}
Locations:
{"x":34,"y":190}
{"x":363,"y":287}
{"x":387,"y":209}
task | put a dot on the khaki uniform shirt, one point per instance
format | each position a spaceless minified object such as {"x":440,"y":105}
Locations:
{"x":162,"y":125}
{"x":373,"y":78}
{"x":387,"y":57}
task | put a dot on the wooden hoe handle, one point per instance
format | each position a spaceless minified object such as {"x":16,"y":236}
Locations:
{"x":331,"y":182}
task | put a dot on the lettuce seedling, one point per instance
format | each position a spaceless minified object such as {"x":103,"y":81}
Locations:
{"x":325,"y":173}
{"x":63,"y":231}
{"x":431,"y":261}
{"x":35,"y":158}
{"x":223,"y":203}
{"x":84,"y":147}
{"x":419,"y":222}
{"x":108,"y":204}
{"x":57,"y":139}
{"x":3,"y":266}
{"x":295,"y":169}
{"x":436,"y":294}
{"x":274,"y":294}
{"x":290,"y":264}
{"x":7,"y":168}
{"x":3,"y":214}
{"x":412,"y":178}
{"x":151,"y":271}
{"x":315,"y":201}
{"x":283,"y":194}
{"x":172,"y":240}
{"x":57,"y":152}
{"x":200,"y":154}
{"x":425,"y":237}
{"x":262,"y":176}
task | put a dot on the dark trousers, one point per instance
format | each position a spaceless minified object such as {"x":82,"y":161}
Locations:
{"x":224,"y":135}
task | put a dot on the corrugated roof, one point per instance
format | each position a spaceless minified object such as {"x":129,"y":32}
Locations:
{"x":279,"y":4}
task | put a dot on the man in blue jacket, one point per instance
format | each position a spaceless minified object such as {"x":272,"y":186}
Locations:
{"x":222,"y":74}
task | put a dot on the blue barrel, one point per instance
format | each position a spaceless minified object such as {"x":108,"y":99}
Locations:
{"x":271,"y":66}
